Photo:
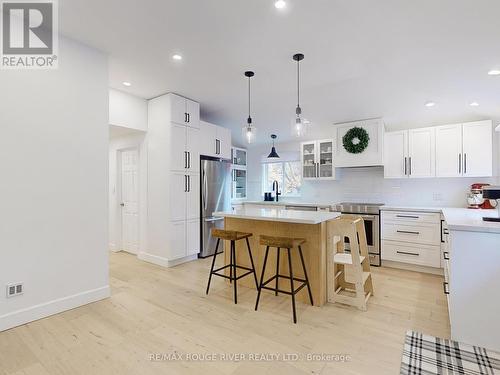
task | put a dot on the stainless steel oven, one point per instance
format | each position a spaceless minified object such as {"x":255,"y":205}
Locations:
{"x":370,"y":212}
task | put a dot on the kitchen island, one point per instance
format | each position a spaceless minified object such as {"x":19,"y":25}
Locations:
{"x":309,"y":225}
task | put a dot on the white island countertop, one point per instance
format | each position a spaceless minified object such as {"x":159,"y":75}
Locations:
{"x":284,"y":216}
{"x":464,"y":219}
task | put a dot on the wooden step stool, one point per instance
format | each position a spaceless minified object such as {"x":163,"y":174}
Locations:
{"x":349,"y":275}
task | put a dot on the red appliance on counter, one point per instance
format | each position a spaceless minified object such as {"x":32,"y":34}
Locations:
{"x":475,"y":198}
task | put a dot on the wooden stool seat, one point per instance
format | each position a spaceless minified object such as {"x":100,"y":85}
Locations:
{"x":229,"y":235}
{"x":283,"y":242}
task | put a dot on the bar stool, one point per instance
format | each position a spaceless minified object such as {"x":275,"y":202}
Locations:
{"x":232,"y":236}
{"x":283,"y":243}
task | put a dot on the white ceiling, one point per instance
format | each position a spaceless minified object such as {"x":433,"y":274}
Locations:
{"x":363,"y":59}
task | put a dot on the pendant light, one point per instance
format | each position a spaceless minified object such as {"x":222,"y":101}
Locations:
{"x":249,"y":131}
{"x":299,"y":124}
{"x":273,"y":153}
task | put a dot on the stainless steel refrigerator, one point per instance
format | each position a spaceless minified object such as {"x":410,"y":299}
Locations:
{"x":215,"y":196}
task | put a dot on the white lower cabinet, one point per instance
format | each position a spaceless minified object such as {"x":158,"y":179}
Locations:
{"x":177,"y":239}
{"x":192,"y":237}
{"x":411,"y":237}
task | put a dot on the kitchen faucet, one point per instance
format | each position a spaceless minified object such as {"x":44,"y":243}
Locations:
{"x":275,"y":183}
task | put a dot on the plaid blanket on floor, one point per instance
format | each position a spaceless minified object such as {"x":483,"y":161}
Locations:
{"x":424,"y":355}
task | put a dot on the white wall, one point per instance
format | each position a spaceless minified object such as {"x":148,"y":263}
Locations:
{"x":369,"y":185}
{"x":54,"y":176}
{"x":136,"y":140}
{"x":127,"y":110}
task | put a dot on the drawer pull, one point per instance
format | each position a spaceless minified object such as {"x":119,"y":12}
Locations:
{"x":445,"y":255}
{"x":407,"y":231}
{"x":407,"y":253}
{"x":446,"y":289}
{"x":408,"y":216}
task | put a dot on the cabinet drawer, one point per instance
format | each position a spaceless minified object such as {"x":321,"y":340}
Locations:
{"x":429,"y":234}
{"x":411,"y":217}
{"x":422,"y":255}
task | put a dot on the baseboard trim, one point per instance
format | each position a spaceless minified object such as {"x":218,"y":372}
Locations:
{"x":412,"y":267}
{"x":43,"y":310}
{"x":112,"y":246}
{"x":165,"y":262}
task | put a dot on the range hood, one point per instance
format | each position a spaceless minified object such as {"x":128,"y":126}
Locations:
{"x":372,"y":155}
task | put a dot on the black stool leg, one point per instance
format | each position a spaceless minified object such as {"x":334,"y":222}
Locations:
{"x":261,"y":278}
{"x":231,"y":263}
{"x":291,"y":286}
{"x":213,"y":264}
{"x":305,"y":276}
{"x":233,"y":252}
{"x":277,"y":271}
{"x":253,"y":266}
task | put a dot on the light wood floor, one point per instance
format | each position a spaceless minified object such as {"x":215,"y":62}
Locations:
{"x":156,"y":310}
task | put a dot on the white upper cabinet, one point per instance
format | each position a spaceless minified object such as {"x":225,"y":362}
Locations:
{"x":449,"y":150}
{"x":478,"y":149}
{"x":422,"y":153}
{"x":464,"y":150}
{"x":455,"y":150}
{"x":215,"y":140}
{"x":410,"y":153}
{"x":178,"y":154}
{"x":193,"y":149}
{"x":185,"y":111}
{"x":396,"y":154}
{"x":317,"y":160}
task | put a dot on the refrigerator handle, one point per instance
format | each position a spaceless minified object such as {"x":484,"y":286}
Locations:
{"x":205,"y":190}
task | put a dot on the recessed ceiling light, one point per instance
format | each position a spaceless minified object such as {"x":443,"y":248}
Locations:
{"x":474,"y":104}
{"x":280,"y":4}
{"x":494,"y":72}
{"x":128,"y":84}
{"x":177,"y":57}
{"x":430,"y":104}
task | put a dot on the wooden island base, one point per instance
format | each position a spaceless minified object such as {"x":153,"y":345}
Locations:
{"x":314,"y":251}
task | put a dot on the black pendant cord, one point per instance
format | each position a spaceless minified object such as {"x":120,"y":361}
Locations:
{"x":249,"y":118}
{"x":298,"y":84}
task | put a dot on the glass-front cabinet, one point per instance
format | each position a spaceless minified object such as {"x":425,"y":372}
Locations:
{"x":239,"y":173}
{"x":317,"y":160}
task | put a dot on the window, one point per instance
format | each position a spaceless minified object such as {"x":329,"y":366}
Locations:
{"x":288,"y":175}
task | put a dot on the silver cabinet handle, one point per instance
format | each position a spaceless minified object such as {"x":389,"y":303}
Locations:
{"x":407,"y":253}
{"x":189,"y":183}
{"x":122,"y":204}
{"x":406,"y":165}
{"x":408,"y":216}
{"x":185,"y":184}
{"x":189,"y":159}
{"x":407,"y":232}
{"x":205,"y":190}
{"x":459,"y":163}
{"x":465,"y":163}
{"x":409,"y":170}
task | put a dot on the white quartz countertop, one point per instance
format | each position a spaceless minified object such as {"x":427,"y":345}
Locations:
{"x":464,"y":219}
{"x":285,"y":216}
{"x":286,"y":203}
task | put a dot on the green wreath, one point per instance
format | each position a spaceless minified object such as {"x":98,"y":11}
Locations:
{"x":355,"y":140}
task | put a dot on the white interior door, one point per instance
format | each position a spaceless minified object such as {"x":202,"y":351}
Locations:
{"x":449,"y":150}
{"x":130,"y":201}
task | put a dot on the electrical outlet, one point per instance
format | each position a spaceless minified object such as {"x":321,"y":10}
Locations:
{"x":15,"y":289}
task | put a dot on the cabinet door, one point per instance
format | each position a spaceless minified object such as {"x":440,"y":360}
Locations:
{"x":239,"y":183}
{"x":224,"y":137}
{"x":325,"y":159}
{"x":178,"y":109}
{"x":193,"y":111}
{"x":177,"y":241}
{"x":396,"y":154}
{"x":478,"y":149}
{"x":193,"y":237}
{"x":208,"y":133}
{"x":309,"y":158}
{"x":239,"y":157}
{"x":178,"y":155}
{"x":193,"y":196}
{"x":178,"y":193}
{"x":193,"y":149}
{"x":449,"y":150}
{"x":422,"y":152}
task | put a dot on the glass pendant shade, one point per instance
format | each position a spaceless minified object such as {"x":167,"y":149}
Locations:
{"x":249,"y":132}
{"x":299,"y":126}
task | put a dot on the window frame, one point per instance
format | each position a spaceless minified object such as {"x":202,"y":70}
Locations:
{"x":264,"y":176}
